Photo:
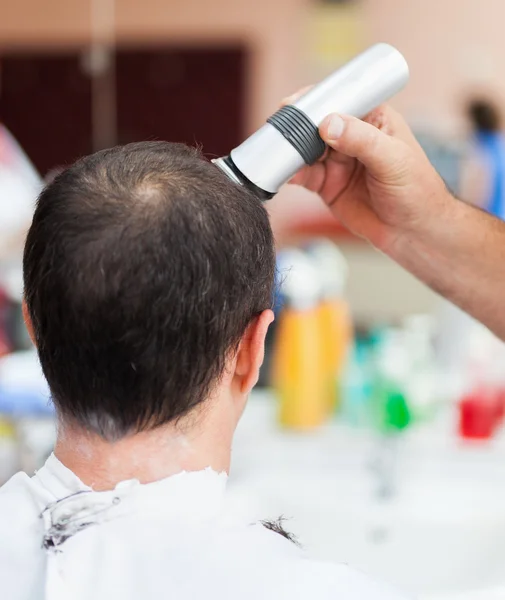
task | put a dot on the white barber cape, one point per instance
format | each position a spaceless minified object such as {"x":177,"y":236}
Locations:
{"x":173,"y":539}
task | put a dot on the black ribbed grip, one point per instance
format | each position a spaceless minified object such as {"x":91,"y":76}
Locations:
{"x":299,"y":131}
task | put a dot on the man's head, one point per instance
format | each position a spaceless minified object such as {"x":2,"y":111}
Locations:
{"x":148,"y":279}
{"x":484,"y":115}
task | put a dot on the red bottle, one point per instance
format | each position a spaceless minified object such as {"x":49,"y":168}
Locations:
{"x":480,"y":413}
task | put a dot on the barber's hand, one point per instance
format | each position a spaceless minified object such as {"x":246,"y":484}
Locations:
{"x":375,"y":178}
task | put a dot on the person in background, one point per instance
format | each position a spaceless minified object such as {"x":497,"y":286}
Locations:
{"x":483,"y":175}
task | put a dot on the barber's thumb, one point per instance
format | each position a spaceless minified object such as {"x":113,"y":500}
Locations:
{"x":358,"y":139}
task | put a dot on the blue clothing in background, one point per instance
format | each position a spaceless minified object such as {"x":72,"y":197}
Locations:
{"x":492,"y":146}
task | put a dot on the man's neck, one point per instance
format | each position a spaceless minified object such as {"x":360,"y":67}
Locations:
{"x":147,"y":456}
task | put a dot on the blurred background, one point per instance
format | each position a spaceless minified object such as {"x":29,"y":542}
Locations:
{"x":377,"y":425}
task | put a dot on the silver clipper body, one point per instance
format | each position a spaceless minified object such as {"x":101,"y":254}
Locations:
{"x":290,"y":137}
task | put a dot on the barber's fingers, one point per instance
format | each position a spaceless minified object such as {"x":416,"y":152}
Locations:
{"x":311,"y":177}
{"x":392,"y":122}
{"x":352,"y":137}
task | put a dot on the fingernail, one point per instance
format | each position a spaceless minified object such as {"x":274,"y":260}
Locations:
{"x":335,"y":127}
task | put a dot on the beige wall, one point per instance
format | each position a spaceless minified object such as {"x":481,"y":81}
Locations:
{"x":452,"y":46}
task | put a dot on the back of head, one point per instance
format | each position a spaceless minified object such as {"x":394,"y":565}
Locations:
{"x":143,"y":267}
{"x":484,"y":116}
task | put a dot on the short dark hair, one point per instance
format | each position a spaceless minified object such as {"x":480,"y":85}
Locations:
{"x":484,"y":115}
{"x":143,"y":267}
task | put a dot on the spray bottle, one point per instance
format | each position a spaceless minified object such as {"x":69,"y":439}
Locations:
{"x":297,"y":360}
{"x":334,"y":318}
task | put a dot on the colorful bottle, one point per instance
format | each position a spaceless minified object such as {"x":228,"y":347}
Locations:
{"x":480,"y":414}
{"x":334,"y":318}
{"x":481,"y":403}
{"x":391,"y":409}
{"x":422,"y":386}
{"x":297,"y":362}
{"x":356,"y":385}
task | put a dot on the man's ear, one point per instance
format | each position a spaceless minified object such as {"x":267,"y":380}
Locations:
{"x":251,"y":351}
{"x":28,"y":322}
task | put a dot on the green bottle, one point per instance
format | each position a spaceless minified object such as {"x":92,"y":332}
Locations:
{"x":390,"y":403}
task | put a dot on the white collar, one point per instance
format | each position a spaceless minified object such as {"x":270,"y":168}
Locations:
{"x":197,"y":494}
{"x":58,"y":480}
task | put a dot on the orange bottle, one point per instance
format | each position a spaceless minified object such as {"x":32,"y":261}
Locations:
{"x":334,"y":317}
{"x":297,"y":379}
{"x":335,"y":325}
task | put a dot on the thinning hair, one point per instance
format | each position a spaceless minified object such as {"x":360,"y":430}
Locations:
{"x":143,"y":267}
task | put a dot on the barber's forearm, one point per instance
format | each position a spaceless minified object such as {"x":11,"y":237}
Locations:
{"x":461,"y":255}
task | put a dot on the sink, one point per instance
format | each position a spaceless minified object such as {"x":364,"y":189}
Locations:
{"x":439,"y":533}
